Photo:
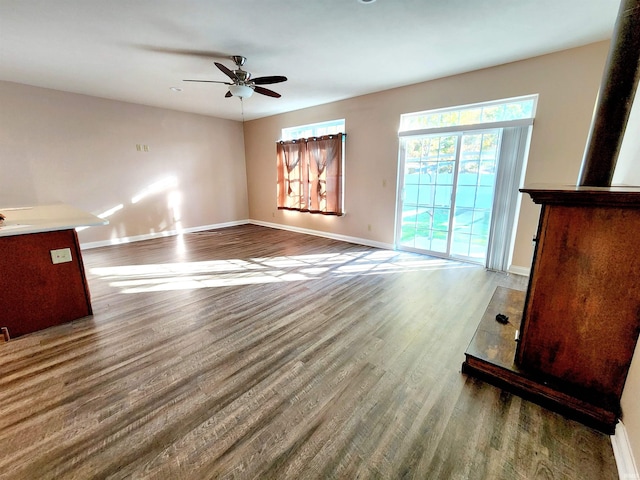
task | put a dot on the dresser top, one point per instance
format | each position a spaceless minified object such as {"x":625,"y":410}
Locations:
{"x":620,"y":196}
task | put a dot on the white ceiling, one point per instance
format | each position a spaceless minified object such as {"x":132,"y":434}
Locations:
{"x":135,"y":50}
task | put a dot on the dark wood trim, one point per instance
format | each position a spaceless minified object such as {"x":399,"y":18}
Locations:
{"x":626,"y":196}
{"x":571,"y":407}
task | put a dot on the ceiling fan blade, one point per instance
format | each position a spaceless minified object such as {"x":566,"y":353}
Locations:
{"x":226,"y":71}
{"x":228,"y":95}
{"x":266,"y":91}
{"x":208,"y":81}
{"x":268,"y":80}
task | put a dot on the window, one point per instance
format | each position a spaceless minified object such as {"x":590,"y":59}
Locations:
{"x":507,"y":110}
{"x":310,"y":164}
{"x":458,"y":193}
{"x":313,"y":130}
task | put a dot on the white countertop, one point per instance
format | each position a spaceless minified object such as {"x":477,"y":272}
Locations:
{"x":45,"y":218}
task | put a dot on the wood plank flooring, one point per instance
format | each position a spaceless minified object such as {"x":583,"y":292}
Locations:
{"x":251,"y":352}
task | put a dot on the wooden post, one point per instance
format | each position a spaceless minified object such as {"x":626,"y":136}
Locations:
{"x":617,"y":91}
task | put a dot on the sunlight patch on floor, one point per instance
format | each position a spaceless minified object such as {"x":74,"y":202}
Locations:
{"x":236,"y":272}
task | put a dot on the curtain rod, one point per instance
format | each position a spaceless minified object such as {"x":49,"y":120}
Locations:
{"x":331,"y":135}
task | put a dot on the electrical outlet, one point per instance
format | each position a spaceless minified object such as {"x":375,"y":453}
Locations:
{"x":61,"y":255}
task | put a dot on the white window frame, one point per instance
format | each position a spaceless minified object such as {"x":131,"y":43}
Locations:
{"x":469,"y":126}
{"x":524,"y":122}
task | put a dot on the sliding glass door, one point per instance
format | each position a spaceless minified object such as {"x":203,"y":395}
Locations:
{"x":453,"y":199}
{"x":447,"y":187}
{"x":429,"y":171}
{"x":475,"y":187}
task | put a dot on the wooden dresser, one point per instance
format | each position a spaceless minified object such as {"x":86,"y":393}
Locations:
{"x":581,"y":314}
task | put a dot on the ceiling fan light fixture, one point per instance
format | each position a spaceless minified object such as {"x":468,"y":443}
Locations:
{"x":241,"y":91}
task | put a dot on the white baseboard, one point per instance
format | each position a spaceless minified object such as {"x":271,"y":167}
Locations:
{"x":518,"y":270}
{"x":169,"y":233}
{"x":332,"y":236}
{"x":150,"y":236}
{"x":515,"y":269}
{"x":627,"y":469}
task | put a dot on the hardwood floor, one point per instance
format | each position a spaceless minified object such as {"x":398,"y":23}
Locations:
{"x":251,"y":352}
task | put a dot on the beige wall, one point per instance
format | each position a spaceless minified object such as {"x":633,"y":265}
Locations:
{"x":62,"y":147}
{"x":567,"y":82}
{"x":630,"y":408}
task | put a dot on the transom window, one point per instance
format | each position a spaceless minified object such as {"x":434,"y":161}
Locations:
{"x":313,"y":130}
{"x":506,"y":110}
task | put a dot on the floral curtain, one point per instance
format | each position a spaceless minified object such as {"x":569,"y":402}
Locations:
{"x":310,"y":174}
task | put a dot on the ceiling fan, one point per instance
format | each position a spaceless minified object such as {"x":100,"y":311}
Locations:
{"x":242,"y":85}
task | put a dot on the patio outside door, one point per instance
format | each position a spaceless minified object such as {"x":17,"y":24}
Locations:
{"x":447,"y":190}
